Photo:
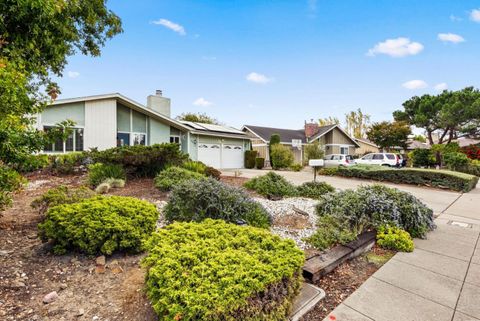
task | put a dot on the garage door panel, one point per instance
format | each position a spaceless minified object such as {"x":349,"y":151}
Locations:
{"x":210,"y":154}
{"x":221,"y":156}
{"x":232,"y":156}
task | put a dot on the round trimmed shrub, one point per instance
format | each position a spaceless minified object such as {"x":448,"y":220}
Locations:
{"x":172,"y":176}
{"x":271,"y":185}
{"x":213,"y":172}
{"x":373,"y":206}
{"x":219,"y":271}
{"x":196,"y":200}
{"x":99,"y":225}
{"x":314,"y":189}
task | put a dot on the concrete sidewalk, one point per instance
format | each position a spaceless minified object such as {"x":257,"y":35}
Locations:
{"x":438,"y":281}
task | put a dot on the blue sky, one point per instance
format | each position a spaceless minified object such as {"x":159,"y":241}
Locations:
{"x":278,"y":63}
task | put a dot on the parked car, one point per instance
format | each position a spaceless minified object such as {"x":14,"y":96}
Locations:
{"x":383,"y":159}
{"x":335,"y":160}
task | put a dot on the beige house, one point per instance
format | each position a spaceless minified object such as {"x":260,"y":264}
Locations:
{"x":366,"y":146}
{"x":332,"y":137}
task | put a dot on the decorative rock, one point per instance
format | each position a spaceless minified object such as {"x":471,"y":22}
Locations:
{"x":115,"y":267}
{"x":63,"y":286}
{"x":51,"y":297}
{"x":80,"y":313}
{"x":100,"y":269}
{"x":101,"y":260}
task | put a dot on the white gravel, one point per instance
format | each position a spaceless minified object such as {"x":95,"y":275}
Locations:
{"x":285,"y":207}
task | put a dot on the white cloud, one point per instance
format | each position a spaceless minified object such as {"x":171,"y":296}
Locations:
{"x":73,"y":74}
{"x":171,"y":25}
{"x":475,"y":15}
{"x":415,"y":84}
{"x":441,"y":86}
{"x":258,"y":78}
{"x":202,"y":102}
{"x":455,"y":18}
{"x":399,"y":47}
{"x":450,"y":37}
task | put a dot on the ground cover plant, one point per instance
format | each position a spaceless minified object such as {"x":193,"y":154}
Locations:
{"x":196,"y":200}
{"x":219,"y":271}
{"x":99,"y":225}
{"x":10,"y":181}
{"x":394,"y":238}
{"x":66,"y":163}
{"x":271,"y":185}
{"x":142,"y":160}
{"x":172,"y":176}
{"x":61,"y":195}
{"x":428,"y":177}
{"x":314,"y":189}
{"x":98,"y":173}
{"x":195,"y":166}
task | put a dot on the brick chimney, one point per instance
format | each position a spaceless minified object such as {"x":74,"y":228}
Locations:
{"x":311,"y":128}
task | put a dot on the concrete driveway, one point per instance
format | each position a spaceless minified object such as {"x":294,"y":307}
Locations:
{"x":438,"y":281}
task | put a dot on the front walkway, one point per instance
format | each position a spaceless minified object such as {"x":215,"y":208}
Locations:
{"x":439,"y":281}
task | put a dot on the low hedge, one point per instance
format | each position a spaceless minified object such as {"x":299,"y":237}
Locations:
{"x":99,"y":225}
{"x":172,"y":176}
{"x":219,"y":271}
{"x":428,"y":177}
{"x":196,"y":200}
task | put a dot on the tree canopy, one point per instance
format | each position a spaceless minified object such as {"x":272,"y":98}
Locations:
{"x":448,"y":113}
{"x":36,"y":37}
{"x":389,"y":134}
{"x":357,"y":123}
{"x":198,"y":118}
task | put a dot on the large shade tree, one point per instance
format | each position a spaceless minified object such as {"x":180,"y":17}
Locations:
{"x":36,"y":38}
{"x":388,"y":135}
{"x":447,"y":114}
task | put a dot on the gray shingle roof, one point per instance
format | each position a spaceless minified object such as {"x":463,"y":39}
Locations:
{"x":286,"y":135}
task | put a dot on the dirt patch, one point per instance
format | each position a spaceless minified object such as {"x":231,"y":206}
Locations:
{"x":344,"y":280}
{"x":28,"y":271}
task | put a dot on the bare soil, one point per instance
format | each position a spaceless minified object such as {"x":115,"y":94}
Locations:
{"x":28,"y":271}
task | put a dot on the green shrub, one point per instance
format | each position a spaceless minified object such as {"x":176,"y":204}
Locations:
{"x":330,"y":231}
{"x":314,"y":189}
{"x":296,"y":167}
{"x":33,"y":163}
{"x":98,"y":173}
{"x":61,"y":195}
{"x":281,"y":156}
{"x":195,"y":166}
{"x":274,"y":140}
{"x":67,"y":163}
{"x":422,"y":158}
{"x":99,"y":225}
{"x":456,"y":161}
{"x":142,"y":160}
{"x":173,"y":176}
{"x":429,"y":177}
{"x":271,"y":185}
{"x":103,"y":188}
{"x":218,"y":271}
{"x":259,"y":162}
{"x":196,"y":200}
{"x":10,"y":181}
{"x":370,"y":207}
{"x":313,"y":151}
{"x":394,"y":238}
{"x":213,"y":173}
{"x":250,"y":156}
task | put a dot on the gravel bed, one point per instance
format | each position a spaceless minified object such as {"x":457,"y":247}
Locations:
{"x":283,"y":212}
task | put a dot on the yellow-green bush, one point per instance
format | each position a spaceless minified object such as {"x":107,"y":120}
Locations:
{"x":172,"y":176}
{"x":61,"y":195}
{"x":394,"y":238}
{"x":218,"y":271}
{"x":99,"y":225}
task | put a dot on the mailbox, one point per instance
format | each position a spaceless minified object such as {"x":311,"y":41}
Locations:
{"x":316,"y":162}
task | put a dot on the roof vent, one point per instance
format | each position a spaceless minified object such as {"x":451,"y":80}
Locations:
{"x":158,"y":92}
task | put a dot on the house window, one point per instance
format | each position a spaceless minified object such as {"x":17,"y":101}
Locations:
{"x":139,"y":139}
{"x":123,"y":139}
{"x":74,"y":142}
{"x":344,"y":150}
{"x":175,"y":139}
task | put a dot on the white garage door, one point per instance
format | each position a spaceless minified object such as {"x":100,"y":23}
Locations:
{"x":232,"y":156}
{"x":221,"y":156}
{"x":210,"y":154}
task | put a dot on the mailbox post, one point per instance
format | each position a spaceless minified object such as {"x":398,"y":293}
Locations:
{"x":314,"y":163}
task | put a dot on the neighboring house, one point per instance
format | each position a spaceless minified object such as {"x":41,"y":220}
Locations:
{"x":366,"y":146}
{"x":106,"y":121}
{"x":332,"y":137}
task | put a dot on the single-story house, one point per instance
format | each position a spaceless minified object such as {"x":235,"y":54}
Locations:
{"x":106,"y":121}
{"x":366,"y":146}
{"x":332,"y":137}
